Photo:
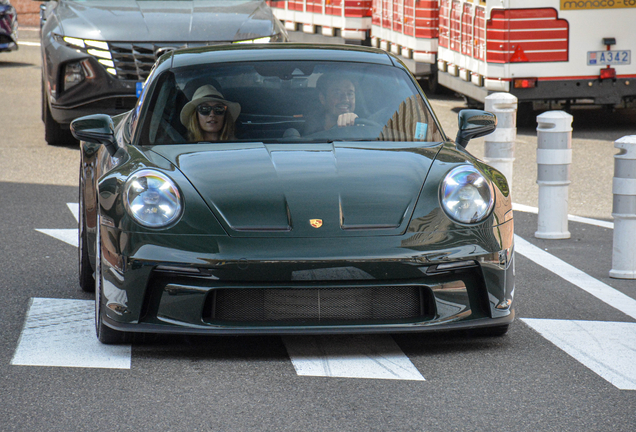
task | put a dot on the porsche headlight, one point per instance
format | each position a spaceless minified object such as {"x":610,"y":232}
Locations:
{"x":152,"y":199}
{"x":466,"y":195}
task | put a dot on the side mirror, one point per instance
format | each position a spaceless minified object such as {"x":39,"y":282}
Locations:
{"x":97,"y":129}
{"x":474,"y":124}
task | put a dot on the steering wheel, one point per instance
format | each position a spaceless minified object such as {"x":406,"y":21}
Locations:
{"x":366,"y":122}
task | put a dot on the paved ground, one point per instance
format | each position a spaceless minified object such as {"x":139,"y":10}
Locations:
{"x":567,"y":363}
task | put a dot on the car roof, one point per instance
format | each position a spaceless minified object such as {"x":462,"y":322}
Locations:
{"x":279,"y":51}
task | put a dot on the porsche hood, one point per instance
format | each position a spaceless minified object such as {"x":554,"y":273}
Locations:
{"x":320,"y":190}
{"x":147,"y":20}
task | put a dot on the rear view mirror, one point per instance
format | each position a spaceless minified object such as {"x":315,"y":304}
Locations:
{"x":97,"y":129}
{"x":474,"y":124}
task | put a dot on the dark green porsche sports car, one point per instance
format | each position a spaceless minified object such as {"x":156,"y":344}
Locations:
{"x":276,"y":189}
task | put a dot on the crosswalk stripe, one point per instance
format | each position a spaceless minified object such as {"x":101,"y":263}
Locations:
{"x":66,"y":235}
{"x":61,"y":332}
{"x":607,"y":348}
{"x":74,"y":208}
{"x":598,"y":289}
{"x":347,"y":356}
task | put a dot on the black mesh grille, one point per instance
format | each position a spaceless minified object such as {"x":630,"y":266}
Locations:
{"x":134,"y":61}
{"x":316,"y":305}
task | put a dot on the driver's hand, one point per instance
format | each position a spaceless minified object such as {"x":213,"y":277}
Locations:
{"x":347,"y":119}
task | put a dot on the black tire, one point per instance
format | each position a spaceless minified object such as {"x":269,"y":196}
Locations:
{"x":105,"y":334}
{"x":495,"y":331}
{"x":86,"y":279}
{"x":473,"y":103}
{"x":54,"y":133}
{"x":526,"y":117}
{"x":430,"y":85}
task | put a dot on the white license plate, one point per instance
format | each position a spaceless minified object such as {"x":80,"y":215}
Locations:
{"x":614,"y":57}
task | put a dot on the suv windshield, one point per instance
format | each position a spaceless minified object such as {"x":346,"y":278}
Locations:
{"x":286,"y":101}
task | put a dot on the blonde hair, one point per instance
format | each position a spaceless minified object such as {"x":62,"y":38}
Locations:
{"x":195,"y":133}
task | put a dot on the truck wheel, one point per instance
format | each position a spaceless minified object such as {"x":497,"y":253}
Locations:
{"x":525,"y":115}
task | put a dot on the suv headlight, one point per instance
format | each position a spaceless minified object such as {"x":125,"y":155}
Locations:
{"x":466,"y":195}
{"x":152,"y":199}
{"x":265,"y":39}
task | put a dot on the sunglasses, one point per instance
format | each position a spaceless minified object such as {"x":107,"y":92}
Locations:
{"x":205,"y":110}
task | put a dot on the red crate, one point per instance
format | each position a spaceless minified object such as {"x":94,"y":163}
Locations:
{"x":455,"y":26}
{"x":444,"y":23}
{"x":357,"y":8}
{"x":376,"y":17}
{"x":479,"y":44}
{"x":296,"y":5}
{"x":314,"y":6}
{"x":333,"y":7}
{"x":426,"y":19}
{"x":467,"y":30}
{"x":398,"y":15}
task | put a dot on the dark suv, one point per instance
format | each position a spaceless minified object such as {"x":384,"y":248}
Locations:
{"x":96,"y":54}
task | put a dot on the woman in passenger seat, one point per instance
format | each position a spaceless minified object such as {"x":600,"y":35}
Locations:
{"x":209,"y":116}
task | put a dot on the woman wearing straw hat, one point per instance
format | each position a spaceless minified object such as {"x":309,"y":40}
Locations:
{"x":209,"y":116}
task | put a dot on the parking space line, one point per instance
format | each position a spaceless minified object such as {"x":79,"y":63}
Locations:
{"x":607,"y":348}
{"x":598,"y":289}
{"x":61,"y":332}
{"x":350,"y":356}
{"x":528,"y":209}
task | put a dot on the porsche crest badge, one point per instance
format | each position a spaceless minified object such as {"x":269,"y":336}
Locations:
{"x":316,"y":223}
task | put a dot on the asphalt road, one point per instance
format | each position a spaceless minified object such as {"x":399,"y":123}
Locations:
{"x":539,"y":377}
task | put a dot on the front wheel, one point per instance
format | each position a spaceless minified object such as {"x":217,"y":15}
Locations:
{"x":86,"y":279}
{"x":105,"y":334}
{"x":54,"y":133}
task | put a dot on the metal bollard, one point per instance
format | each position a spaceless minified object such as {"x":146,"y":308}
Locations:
{"x":500,"y":145}
{"x":624,"y":210}
{"x":554,"y":156}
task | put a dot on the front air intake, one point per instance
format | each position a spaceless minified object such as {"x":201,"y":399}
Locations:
{"x":313,"y":306}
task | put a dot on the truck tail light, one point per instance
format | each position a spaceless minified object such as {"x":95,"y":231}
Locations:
{"x":608,"y":73}
{"x":524,"y":83}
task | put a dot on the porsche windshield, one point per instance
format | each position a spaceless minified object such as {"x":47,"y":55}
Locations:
{"x":286,"y":101}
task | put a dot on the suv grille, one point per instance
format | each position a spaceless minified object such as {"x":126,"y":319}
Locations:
{"x":318,"y":305}
{"x":133,"y":61}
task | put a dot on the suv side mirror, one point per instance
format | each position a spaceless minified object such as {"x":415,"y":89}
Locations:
{"x":97,"y":129}
{"x":474,"y":124}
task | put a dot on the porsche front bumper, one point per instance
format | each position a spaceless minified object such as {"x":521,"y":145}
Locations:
{"x":392,"y":289}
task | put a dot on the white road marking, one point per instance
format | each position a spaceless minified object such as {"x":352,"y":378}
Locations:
{"x":587,"y":283}
{"x":535,"y":210}
{"x":604,"y":347}
{"x":74,"y":208}
{"x":66,"y":235}
{"x":29,"y":43}
{"x":359,"y":356}
{"x":61,"y":332}
{"x":607,"y":348}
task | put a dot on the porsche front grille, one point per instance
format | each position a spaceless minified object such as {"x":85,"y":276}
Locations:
{"x":278,"y":306}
